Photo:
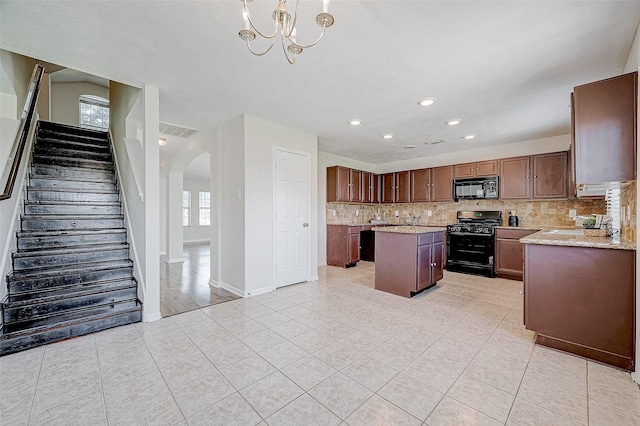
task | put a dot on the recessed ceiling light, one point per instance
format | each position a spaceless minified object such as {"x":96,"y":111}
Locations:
{"x":355,"y":122}
{"x":426,"y":101}
{"x":162,"y":142}
{"x":387,"y":136}
{"x":453,"y":122}
{"x":409,"y":146}
{"x":469,"y":137}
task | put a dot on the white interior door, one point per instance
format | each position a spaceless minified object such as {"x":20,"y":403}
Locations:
{"x":291,"y":218}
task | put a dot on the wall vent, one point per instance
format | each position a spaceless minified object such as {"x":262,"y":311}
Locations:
{"x":175,"y":130}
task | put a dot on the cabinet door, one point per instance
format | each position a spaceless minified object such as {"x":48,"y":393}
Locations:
{"x":338,"y":184}
{"x":388,"y":188}
{"x":605,"y":130}
{"x":487,"y":168}
{"x":423,"y":276}
{"x":515,"y":182}
{"x":354,"y":247}
{"x":464,"y":170}
{"x":355,"y":186}
{"x":420,"y":185}
{"x":403,"y":187}
{"x":509,"y":258}
{"x":437,"y":258}
{"x":442,"y":183}
{"x":573,"y":189}
{"x":550,"y":175}
{"x":366,"y":187}
{"x":375,"y":188}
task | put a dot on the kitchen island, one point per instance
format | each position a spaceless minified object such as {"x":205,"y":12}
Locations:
{"x":409,"y":259}
{"x":579,"y":294}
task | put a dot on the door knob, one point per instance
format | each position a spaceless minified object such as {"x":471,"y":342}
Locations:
{"x":304,"y":225}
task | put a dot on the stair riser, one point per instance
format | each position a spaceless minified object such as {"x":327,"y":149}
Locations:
{"x":71,"y":291}
{"x":37,"y":312}
{"x":26,"y":243}
{"x":71,"y":162}
{"x":72,"y":153}
{"x":108,"y":309}
{"x":44,"y":171}
{"x":64,"y":224}
{"x":70,"y":131}
{"x":88,"y":145}
{"x":20,"y":343}
{"x":61,"y":260}
{"x":60,"y":209}
{"x":19,"y":286}
{"x":78,"y":197}
{"x":71,"y":185}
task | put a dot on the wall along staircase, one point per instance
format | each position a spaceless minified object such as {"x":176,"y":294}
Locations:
{"x":71,"y":272}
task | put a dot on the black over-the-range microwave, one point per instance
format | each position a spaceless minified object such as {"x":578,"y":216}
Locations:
{"x":475,"y":188}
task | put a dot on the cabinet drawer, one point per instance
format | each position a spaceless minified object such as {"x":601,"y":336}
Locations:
{"x":425,"y":239}
{"x":355,"y":229}
{"x":514,"y":234}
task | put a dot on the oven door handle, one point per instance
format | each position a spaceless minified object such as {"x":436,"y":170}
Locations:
{"x":464,"y":234}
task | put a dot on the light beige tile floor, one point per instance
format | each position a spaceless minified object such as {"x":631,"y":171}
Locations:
{"x":323,"y":353}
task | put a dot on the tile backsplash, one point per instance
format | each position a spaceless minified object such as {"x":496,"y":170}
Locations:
{"x":628,"y":199}
{"x":534,"y":213}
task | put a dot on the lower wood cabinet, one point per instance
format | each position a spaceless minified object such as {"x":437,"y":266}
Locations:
{"x":509,"y":255}
{"x":408,"y":263}
{"x":343,"y":245}
{"x":582,"y":300}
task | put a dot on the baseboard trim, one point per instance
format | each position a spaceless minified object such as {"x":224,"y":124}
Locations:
{"x":259,"y":291}
{"x":193,"y":242}
{"x":151,"y":316}
{"x":314,"y":278}
{"x":178,"y":260}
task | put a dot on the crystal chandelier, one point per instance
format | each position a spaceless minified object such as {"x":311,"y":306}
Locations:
{"x":284,"y":29}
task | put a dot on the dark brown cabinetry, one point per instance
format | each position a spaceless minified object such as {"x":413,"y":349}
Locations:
{"x":420,"y":185}
{"x":355,"y":186}
{"x":442,"y":183}
{"x":370,"y":188}
{"x":408,"y":263}
{"x":481,"y":168}
{"x":343,"y":245}
{"x":396,"y":187}
{"x":338,"y":179}
{"x":581,"y":300}
{"x":605,"y":130}
{"x":536,"y":176}
{"x":510,"y":252}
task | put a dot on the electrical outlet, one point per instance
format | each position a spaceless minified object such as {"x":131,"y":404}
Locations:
{"x":628,"y":213}
{"x":357,"y":212}
{"x":397,"y":213}
{"x":572,"y":213}
{"x":333,"y":211}
{"x":429,"y":213}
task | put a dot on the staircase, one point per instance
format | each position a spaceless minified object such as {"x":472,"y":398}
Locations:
{"x":71,"y":272}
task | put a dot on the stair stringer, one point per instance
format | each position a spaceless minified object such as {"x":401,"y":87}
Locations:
{"x":137,"y":273}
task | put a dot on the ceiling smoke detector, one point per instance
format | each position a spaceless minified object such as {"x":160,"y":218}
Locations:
{"x":434,"y":142}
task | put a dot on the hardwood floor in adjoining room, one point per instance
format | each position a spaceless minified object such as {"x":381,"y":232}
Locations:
{"x":185,"y":286}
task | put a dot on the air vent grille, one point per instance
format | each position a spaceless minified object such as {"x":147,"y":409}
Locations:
{"x":175,"y":130}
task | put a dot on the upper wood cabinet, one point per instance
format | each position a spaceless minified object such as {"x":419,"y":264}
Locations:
{"x":536,"y":176}
{"x":481,"y":168}
{"x":420,"y":185}
{"x":605,"y":130}
{"x":550,"y":175}
{"x":338,"y":188}
{"x":396,"y":187}
{"x":515,"y":181}
{"x":442,"y":183}
{"x":370,"y":188}
{"x":355,"y":186}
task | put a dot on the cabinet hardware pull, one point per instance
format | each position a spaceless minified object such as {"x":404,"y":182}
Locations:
{"x":304,"y":225}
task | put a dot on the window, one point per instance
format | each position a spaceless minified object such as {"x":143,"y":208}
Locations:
{"x":205,"y":208}
{"x":94,"y":113}
{"x":186,"y":208}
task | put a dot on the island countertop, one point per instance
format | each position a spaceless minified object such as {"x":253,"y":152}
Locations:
{"x":410,"y":229}
{"x":576,"y":238}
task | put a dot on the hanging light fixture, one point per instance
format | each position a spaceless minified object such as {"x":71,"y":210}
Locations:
{"x":284,"y":29}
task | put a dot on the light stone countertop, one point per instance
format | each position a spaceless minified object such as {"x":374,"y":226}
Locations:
{"x":406,"y":229}
{"x":521,"y":228}
{"x":576,"y":238}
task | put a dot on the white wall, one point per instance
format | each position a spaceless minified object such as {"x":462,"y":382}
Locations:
{"x":65,"y":100}
{"x":260,"y":139}
{"x":195,"y":232}
{"x":15,"y":74}
{"x":163,"y":212}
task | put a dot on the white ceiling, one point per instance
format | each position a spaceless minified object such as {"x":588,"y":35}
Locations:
{"x":505,"y":68}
